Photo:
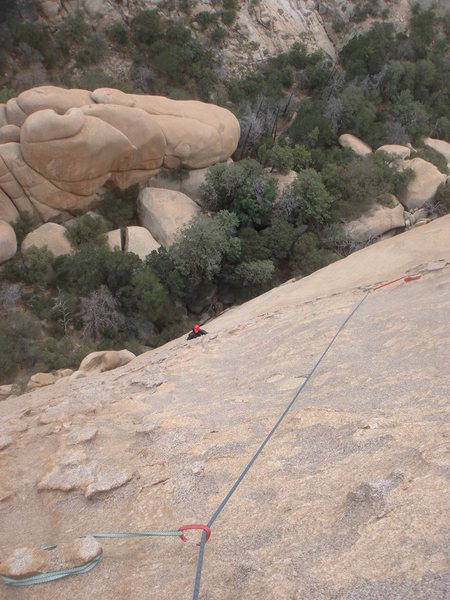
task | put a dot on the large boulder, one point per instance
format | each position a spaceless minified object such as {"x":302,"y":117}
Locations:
{"x":98,"y":362}
{"x":140,"y":241}
{"x":51,"y":235}
{"x":8,"y":242}
{"x":395,"y":150}
{"x":347,"y":140}
{"x":378,"y":221}
{"x":423,"y":187}
{"x":165,"y":212}
{"x":440,"y":146}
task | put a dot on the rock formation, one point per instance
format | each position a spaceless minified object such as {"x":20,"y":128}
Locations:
{"x":73,"y":142}
{"x":350,"y":497}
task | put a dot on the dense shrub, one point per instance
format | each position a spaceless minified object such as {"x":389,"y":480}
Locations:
{"x":243,"y":188}
{"x":87,"y":229}
{"x":19,"y":335}
{"x":119,"y":206}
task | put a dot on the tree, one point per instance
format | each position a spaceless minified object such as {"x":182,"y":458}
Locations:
{"x":63,"y":307}
{"x":19,"y":335}
{"x":199,"y":249}
{"x":311,"y":127}
{"x":38,"y":263}
{"x":86,"y":229}
{"x":148,"y":293}
{"x":10,"y":296}
{"x":307,"y":257}
{"x":100,"y":314}
{"x":242,"y":187}
{"x":255,"y":273}
{"x":306,"y":200}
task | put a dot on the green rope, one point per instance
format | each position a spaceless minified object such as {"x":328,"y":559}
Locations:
{"x":53,"y":575}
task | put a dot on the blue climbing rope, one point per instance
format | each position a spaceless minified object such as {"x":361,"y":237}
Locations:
{"x":260,"y":449}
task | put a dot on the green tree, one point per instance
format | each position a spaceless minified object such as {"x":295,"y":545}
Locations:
{"x":307,"y":256}
{"x":19,"y":335}
{"x":147,"y":293}
{"x":146,"y":28}
{"x":242,"y":187}
{"x":306,"y":200}
{"x":255,"y":273}
{"x":87,"y":229}
{"x":39,"y":262}
{"x":199,"y":249}
{"x":119,"y":206}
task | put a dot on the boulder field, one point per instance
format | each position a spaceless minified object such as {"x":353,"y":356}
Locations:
{"x":350,"y":497}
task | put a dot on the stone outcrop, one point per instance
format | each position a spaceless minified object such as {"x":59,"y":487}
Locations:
{"x":105,"y":360}
{"x":375,"y":223}
{"x":423,"y":187}
{"x":51,"y":235}
{"x":348,"y":140}
{"x":59,"y":147}
{"x":8,"y":242}
{"x":165,"y":212}
{"x":395,"y":150}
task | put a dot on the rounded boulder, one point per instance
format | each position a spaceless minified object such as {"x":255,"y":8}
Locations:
{"x":51,"y":235}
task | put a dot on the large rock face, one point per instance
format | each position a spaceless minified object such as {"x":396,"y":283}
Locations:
{"x":164,"y":212}
{"x":350,"y":497}
{"x":59,"y":147}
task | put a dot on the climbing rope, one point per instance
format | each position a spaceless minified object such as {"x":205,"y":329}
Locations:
{"x":53,"y":575}
{"x":260,"y":449}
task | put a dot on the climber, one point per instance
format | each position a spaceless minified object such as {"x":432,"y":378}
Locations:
{"x":196,"y":332}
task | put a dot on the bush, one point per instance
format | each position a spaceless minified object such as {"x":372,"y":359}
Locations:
{"x":311,"y":127}
{"x":87,"y":229}
{"x":119,"y":206}
{"x":146,"y":28}
{"x":200,"y":248}
{"x":255,"y":273}
{"x":242,"y":187}
{"x":92,"y":51}
{"x":205,"y":19}
{"x":307,"y":257}
{"x":39,"y":262}
{"x":280,"y":158}
{"x":306,"y":200}
{"x":357,"y":185}
{"x":18,"y":336}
